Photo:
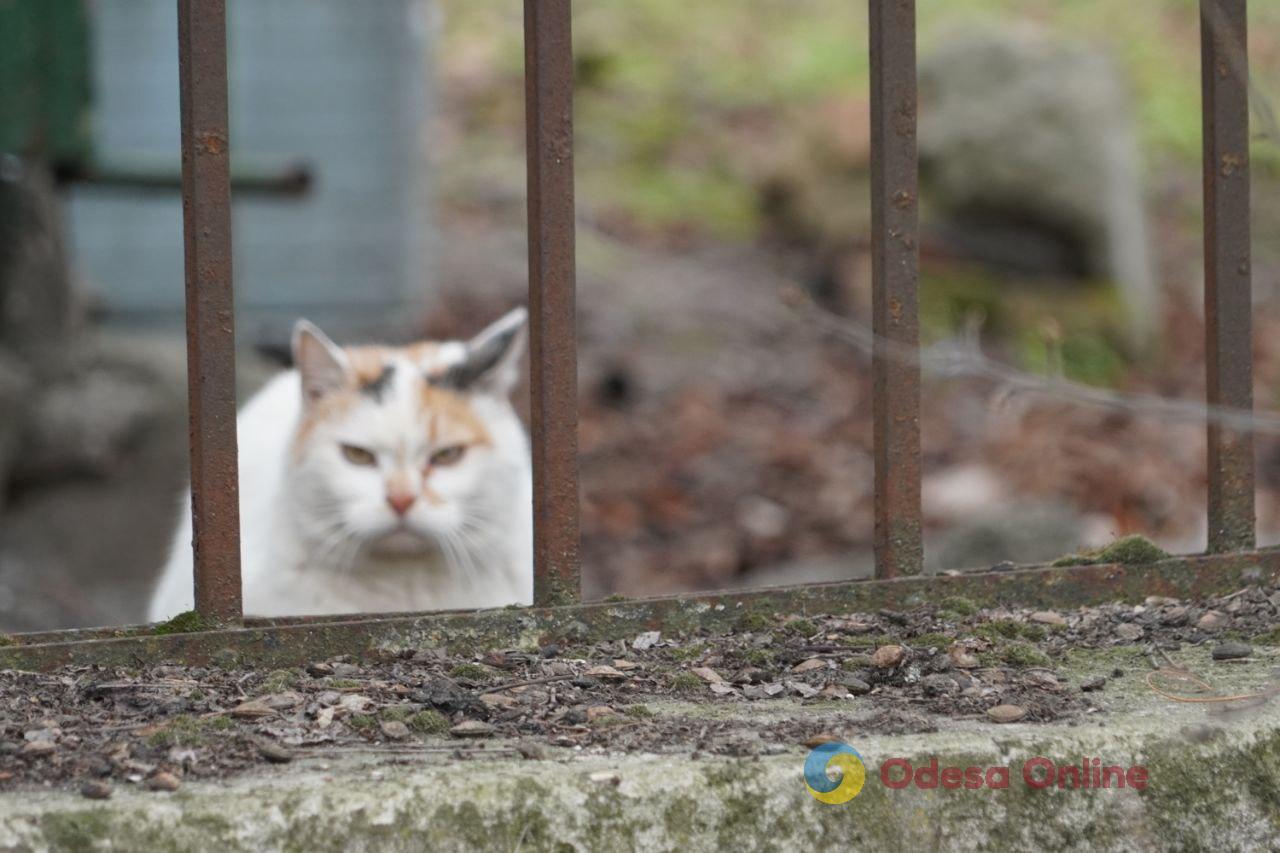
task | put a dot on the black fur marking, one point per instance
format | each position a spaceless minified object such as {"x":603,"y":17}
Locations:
{"x":375,"y":388}
{"x":477,"y":364}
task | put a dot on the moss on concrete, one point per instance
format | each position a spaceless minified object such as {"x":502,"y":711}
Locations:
{"x":188,"y":622}
{"x":1127,"y":550}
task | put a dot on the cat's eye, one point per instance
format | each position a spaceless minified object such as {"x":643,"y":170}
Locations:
{"x":448,"y":455}
{"x":358,"y":455}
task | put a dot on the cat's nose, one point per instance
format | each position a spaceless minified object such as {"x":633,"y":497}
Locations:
{"x":400,"y":502}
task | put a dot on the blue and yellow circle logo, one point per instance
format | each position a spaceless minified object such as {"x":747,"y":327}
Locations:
{"x":850,"y":775}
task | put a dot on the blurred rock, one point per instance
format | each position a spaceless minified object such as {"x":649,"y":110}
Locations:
{"x":1029,"y":160}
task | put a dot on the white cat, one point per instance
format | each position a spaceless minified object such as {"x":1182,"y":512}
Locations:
{"x":378,"y":479}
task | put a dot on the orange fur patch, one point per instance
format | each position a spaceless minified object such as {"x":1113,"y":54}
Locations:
{"x":452,"y":419}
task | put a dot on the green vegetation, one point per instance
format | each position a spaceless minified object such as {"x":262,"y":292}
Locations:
{"x":693,"y":651}
{"x":684,"y":110}
{"x":753,"y":621}
{"x":365,"y":724}
{"x":639,"y":712}
{"x":189,"y":622}
{"x":1269,"y":638}
{"x":340,"y":683}
{"x":800,"y":628}
{"x":1007,"y":629}
{"x":471,"y":672}
{"x":959,"y":605}
{"x":759,"y":657}
{"x":279,"y":680}
{"x":1128,"y":551}
{"x":931,"y":641}
{"x":1022,"y":655}
{"x":685,"y":682}
{"x":185,"y":730}
{"x":428,"y":722}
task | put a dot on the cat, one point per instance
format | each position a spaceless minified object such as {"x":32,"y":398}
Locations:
{"x":376,"y":479}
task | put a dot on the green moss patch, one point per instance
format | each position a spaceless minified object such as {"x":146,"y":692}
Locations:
{"x":1128,"y":551}
{"x":189,"y":622}
{"x":185,"y":730}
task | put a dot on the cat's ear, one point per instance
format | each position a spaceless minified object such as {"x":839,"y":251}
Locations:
{"x":321,"y":363}
{"x":492,"y":360}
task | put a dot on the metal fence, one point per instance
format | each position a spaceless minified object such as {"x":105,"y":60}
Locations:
{"x":553,"y":358}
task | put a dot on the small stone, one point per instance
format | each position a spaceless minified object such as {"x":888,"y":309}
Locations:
{"x":820,"y":738}
{"x":1097,"y":682}
{"x":1128,"y":631}
{"x":707,"y":674}
{"x":41,"y":734}
{"x":623,"y":665}
{"x":751,"y":675}
{"x":1007,"y":713}
{"x":809,"y":665}
{"x":853,"y":684}
{"x":498,"y":700}
{"x":605,"y":777}
{"x":801,"y":689}
{"x":164,"y":781}
{"x":96,"y":790}
{"x":605,"y":672}
{"x":274,"y":752}
{"x":319,"y":670}
{"x":354,"y":702}
{"x":962,"y":658}
{"x":530,"y":751}
{"x":37,"y":748}
{"x":647,"y":640}
{"x":1174,"y":617}
{"x":1212,"y":620}
{"x":472,"y":728}
{"x":1232,"y":651}
{"x":834,"y":691}
{"x":282,"y":701}
{"x":887,"y":657}
{"x":345,"y":670}
{"x":722,"y":689}
{"x":394,"y":729}
{"x":938,"y":685}
{"x":1049,"y":617}
{"x":1160,"y":601}
{"x":597,"y":712}
{"x":252,"y":709}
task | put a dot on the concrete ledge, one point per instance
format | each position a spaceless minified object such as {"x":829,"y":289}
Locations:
{"x":1213,"y":783}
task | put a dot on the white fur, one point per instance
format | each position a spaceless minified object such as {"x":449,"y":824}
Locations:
{"x":317,"y":534}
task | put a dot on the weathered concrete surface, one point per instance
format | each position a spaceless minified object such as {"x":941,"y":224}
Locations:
{"x":1214,"y":783}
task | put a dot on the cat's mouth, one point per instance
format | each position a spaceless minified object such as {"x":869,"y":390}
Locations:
{"x":401,"y":542}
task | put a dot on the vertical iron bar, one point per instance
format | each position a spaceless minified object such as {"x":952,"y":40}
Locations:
{"x":895,"y":274}
{"x":548,"y":70}
{"x":206,"y":221}
{"x":1224,"y":76}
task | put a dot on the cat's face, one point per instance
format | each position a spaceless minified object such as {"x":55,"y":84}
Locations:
{"x":393,"y":453}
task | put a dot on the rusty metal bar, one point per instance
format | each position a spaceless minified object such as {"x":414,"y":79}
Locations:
{"x":895,"y":275}
{"x":211,"y":370}
{"x":553,"y":354}
{"x":1224,"y":75}
{"x":263,"y":644}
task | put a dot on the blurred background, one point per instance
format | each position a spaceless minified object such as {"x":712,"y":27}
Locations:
{"x":722,"y":163}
